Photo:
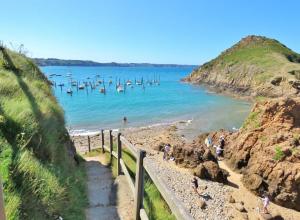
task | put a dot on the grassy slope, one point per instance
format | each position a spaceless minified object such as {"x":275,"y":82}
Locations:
{"x":40,"y":179}
{"x":267,"y":56}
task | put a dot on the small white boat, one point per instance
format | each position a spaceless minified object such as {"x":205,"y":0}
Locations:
{"x":120,"y":89}
{"x":138,"y":83}
{"x":81,"y":86}
{"x":128,"y":83}
{"x":73,"y":83}
{"x":69,"y":91}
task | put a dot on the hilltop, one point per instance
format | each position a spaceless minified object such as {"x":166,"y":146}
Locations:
{"x":61,"y":62}
{"x":255,"y":66}
{"x":38,"y":163}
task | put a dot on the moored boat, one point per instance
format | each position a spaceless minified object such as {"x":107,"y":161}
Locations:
{"x":81,"y":86}
{"x":102,"y":90}
{"x":120,"y":88}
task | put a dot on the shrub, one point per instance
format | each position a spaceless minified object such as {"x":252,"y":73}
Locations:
{"x":279,"y":155}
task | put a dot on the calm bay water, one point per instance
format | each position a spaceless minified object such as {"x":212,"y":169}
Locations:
{"x":168,"y":102}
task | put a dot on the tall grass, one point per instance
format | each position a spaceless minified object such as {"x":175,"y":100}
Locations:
{"x":40,"y":177}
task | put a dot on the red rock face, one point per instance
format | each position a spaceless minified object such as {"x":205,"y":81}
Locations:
{"x":267,"y":151}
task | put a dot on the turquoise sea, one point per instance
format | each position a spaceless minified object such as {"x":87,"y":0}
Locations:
{"x":167,"y":101}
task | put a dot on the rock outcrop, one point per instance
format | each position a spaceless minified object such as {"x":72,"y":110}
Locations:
{"x":200,"y":160}
{"x":267,"y":150}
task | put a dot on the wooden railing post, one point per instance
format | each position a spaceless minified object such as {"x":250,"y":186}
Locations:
{"x":89,"y":143}
{"x":119,"y":154}
{"x":139,"y":184}
{"x":2,"y":210}
{"x":102,"y":140}
{"x":110,"y":144}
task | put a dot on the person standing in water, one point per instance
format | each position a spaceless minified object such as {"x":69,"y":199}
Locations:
{"x":125,"y":120}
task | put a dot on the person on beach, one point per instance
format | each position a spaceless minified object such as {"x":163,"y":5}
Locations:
{"x":266,"y":202}
{"x":208,"y":142}
{"x":195,"y":185}
{"x":166,"y":151}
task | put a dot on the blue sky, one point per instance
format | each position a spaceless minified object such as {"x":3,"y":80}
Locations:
{"x":157,"y":31}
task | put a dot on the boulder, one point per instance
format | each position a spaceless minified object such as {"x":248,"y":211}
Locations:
{"x":214,"y":172}
{"x":159,"y":147}
{"x":240,"y":207}
{"x":295,"y":84}
{"x":202,"y":204}
{"x":245,"y":216}
{"x":253,"y":181}
{"x":276,"y":80}
{"x":231,"y":199}
{"x":207,"y":155}
{"x":200,"y":171}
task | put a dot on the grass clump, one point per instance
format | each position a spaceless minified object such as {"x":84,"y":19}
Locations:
{"x":279,"y":155}
{"x":260,"y":98}
{"x":253,"y":121}
{"x":41,"y":179}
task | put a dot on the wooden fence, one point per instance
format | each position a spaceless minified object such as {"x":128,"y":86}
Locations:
{"x":2,"y":212}
{"x":137,"y":187}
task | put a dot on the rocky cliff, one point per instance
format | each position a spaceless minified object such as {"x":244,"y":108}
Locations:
{"x":267,"y":150}
{"x":255,"y":66}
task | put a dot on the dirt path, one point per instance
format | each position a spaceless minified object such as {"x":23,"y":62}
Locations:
{"x":252,"y":202}
{"x":109,"y":198}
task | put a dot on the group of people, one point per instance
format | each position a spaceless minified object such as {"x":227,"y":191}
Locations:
{"x":167,"y":150}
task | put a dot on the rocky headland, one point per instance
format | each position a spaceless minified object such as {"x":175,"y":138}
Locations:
{"x":255,"y":66}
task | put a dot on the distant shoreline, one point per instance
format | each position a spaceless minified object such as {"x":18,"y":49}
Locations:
{"x":89,"y":63}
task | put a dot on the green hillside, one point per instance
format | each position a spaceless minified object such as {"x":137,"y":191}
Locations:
{"x":254,"y":66}
{"x":40,"y":176}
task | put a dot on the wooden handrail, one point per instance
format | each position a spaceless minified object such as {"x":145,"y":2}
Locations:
{"x":143,"y":214}
{"x":139,"y":183}
{"x":89,"y":143}
{"x":137,"y":189}
{"x":129,"y":146}
{"x":2,"y":210}
{"x":176,"y":207}
{"x":119,"y":153}
{"x":126,"y":173}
